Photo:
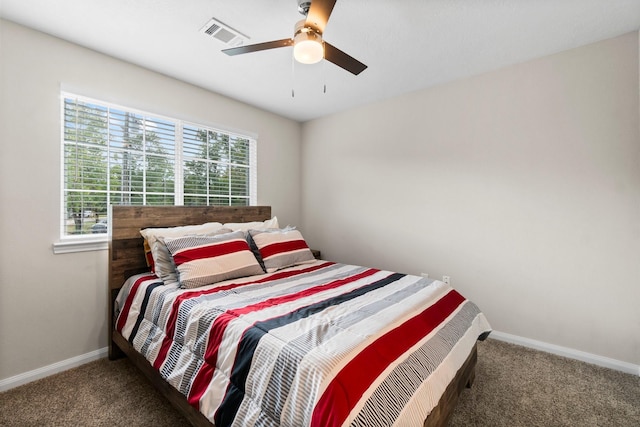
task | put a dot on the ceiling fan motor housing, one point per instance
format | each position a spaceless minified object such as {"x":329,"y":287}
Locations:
{"x":303,"y":7}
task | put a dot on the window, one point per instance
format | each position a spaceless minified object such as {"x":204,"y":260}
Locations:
{"x":115,"y":155}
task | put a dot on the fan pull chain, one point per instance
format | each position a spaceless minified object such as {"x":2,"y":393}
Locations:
{"x":324,"y":75}
{"x":293,"y":77}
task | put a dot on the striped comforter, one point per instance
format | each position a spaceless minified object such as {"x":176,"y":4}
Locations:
{"x":321,"y":344}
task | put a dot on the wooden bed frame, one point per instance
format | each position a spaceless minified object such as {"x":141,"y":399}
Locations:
{"x":126,"y":258}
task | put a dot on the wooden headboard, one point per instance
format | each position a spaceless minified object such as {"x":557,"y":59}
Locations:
{"x":126,"y":251}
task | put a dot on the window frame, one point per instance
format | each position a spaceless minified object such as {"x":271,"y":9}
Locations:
{"x":88,"y":242}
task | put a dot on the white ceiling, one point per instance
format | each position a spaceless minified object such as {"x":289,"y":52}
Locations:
{"x":407,"y":44}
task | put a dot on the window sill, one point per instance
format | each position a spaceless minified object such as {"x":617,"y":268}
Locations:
{"x":71,"y":246}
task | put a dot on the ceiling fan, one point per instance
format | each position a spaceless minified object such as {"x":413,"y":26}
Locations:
{"x":307,"y":42}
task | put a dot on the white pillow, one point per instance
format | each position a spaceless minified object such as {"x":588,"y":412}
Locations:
{"x":255,"y":225}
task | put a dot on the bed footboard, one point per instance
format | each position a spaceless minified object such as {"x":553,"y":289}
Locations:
{"x":441,"y":414}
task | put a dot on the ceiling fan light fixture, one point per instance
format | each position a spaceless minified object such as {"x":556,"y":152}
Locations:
{"x":307,"y":46}
{"x":307,"y":42}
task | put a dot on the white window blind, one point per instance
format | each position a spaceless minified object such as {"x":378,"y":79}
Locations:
{"x":116,"y":155}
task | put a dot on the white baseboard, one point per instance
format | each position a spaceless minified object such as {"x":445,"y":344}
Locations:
{"x":570,"y":353}
{"x":45,"y":371}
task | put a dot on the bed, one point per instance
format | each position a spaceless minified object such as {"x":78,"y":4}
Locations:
{"x":316,"y":343}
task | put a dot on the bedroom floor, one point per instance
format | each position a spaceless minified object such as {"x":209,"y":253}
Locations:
{"x":517,"y":386}
{"x":514,"y":386}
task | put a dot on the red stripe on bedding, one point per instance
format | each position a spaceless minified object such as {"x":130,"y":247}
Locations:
{"x":210,"y":251}
{"x":338,"y":401}
{"x":124,"y":313}
{"x":173,"y":316}
{"x":202,"y":379}
{"x":280,"y":247}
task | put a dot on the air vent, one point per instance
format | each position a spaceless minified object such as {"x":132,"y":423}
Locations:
{"x":224,"y":33}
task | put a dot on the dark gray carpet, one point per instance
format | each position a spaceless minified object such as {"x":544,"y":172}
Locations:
{"x":517,"y":386}
{"x":100,"y":393}
{"x":514,"y":386}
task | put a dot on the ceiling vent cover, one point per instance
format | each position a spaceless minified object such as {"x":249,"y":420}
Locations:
{"x":224,"y":33}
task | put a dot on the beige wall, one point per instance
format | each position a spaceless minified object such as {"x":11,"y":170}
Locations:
{"x":53,"y":307}
{"x":521,"y":184}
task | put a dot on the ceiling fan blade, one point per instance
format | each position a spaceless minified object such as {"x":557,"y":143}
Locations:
{"x":319,"y":14}
{"x":258,"y":47}
{"x":341,"y":59}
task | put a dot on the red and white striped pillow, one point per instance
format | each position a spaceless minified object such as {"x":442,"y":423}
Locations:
{"x":281,"y":248}
{"x":160,"y":262}
{"x":204,"y":260}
